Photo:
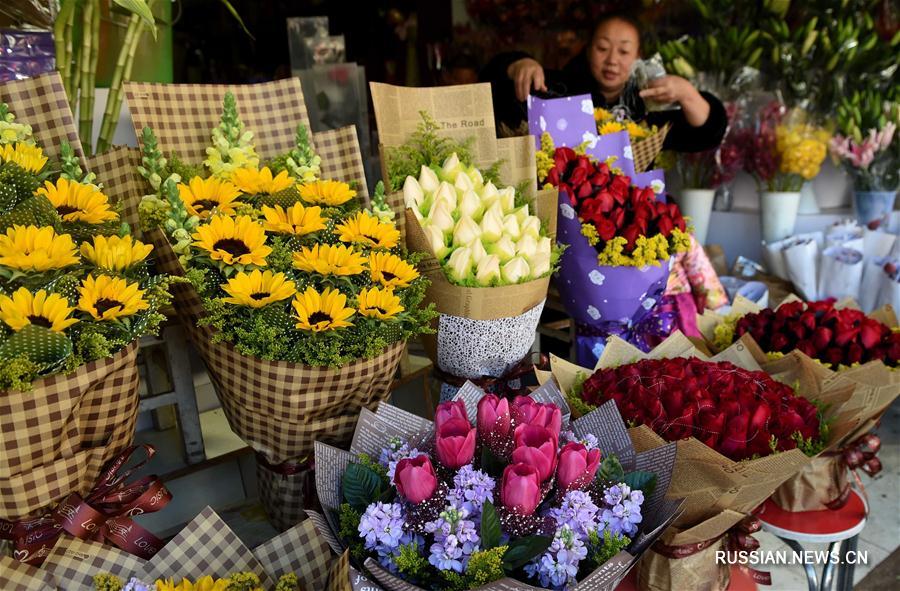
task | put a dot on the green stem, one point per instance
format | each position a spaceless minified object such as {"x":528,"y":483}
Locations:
{"x":86,"y":103}
{"x":122,"y":72}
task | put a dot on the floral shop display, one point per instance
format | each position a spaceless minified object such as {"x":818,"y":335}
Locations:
{"x":740,"y":431}
{"x":496,"y":493}
{"x":484,"y":234}
{"x":866,"y":147}
{"x":300,"y":300}
{"x":205,"y":555}
{"x":75,"y":296}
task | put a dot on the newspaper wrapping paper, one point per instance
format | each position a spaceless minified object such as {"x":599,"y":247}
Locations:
{"x":717,"y":491}
{"x":205,"y":546}
{"x":570,"y":122}
{"x":374,"y":430}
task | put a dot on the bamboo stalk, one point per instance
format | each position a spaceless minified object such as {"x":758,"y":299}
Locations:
{"x":122,"y":72}
{"x":75,"y":64}
{"x":62,"y":30}
{"x":86,"y":102}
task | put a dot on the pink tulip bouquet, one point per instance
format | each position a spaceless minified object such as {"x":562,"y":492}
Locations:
{"x":495,"y":489}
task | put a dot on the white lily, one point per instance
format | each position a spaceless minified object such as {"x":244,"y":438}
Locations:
{"x":470,"y":204}
{"x":515,"y":270}
{"x":447,"y":192}
{"x":450,"y":166}
{"x":475,"y":176}
{"x":489,"y":194}
{"x":504,"y":248}
{"x":492,"y":223}
{"x":478,"y":251}
{"x":544,"y":246}
{"x":521,"y":213}
{"x":531,"y":226}
{"x":436,"y":239}
{"x":463,"y":182}
{"x":511,"y":226}
{"x":508,"y":199}
{"x":526,"y":246}
{"x":412,"y":193}
{"x":441,"y":215}
{"x":466,"y":231}
{"x":488,"y":270}
{"x":428,"y":180}
{"x":460,"y":263}
{"x":540,"y":264}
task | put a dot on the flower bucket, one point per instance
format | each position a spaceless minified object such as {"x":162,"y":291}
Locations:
{"x":871,"y":206}
{"x":778,"y":214}
{"x":697,"y":205}
{"x":808,"y":203}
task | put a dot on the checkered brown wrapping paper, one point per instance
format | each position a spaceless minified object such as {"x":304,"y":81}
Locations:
{"x":42,"y":103}
{"x":646,"y":150}
{"x":116,"y":169}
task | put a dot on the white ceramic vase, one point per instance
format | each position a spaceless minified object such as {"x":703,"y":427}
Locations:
{"x":697,"y":205}
{"x":778,"y":214}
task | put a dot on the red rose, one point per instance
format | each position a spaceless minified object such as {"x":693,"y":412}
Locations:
{"x":822,"y":338}
{"x":605,"y":229}
{"x":870,"y":332}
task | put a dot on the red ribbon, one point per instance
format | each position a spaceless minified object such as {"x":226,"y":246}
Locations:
{"x":738,"y":539}
{"x":861,"y":454}
{"x":500,"y":385}
{"x":104,"y":515}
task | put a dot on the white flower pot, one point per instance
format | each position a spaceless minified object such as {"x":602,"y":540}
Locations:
{"x":778,"y":214}
{"x":697,"y":205}
{"x":808,"y":201}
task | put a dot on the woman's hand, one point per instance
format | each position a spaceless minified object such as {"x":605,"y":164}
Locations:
{"x":675,"y":89}
{"x":526,"y":74}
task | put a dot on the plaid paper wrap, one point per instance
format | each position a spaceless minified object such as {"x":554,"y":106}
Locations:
{"x":646,"y":150}
{"x":42,"y":103}
{"x":122,"y":183}
{"x":285,"y":497}
{"x":55,"y":439}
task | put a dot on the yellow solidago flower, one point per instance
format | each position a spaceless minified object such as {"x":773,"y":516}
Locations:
{"x":379,"y":303}
{"x":31,"y":158}
{"x":75,"y":202}
{"x":329,"y":193}
{"x":234,"y":241}
{"x":258,"y":289}
{"x":207,"y":583}
{"x":254,"y":182}
{"x":115,"y":253}
{"x":589,"y":231}
{"x":296,"y":220}
{"x":390,"y":270}
{"x":30,"y":248}
{"x":610,"y":127}
{"x":41,"y":309}
{"x":203,"y":197}
{"x":109,"y":298}
{"x":330,"y":259}
{"x":321,"y":311}
{"x":368,"y":230}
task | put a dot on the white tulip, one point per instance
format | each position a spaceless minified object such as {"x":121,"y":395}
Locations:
{"x":428,"y":179}
{"x":492,"y":223}
{"x":504,"y":248}
{"x":544,"y":246}
{"x":466,"y":231}
{"x":470,"y":204}
{"x":511,"y":226}
{"x":436,"y":239}
{"x":475,"y":176}
{"x":508,"y":199}
{"x":521,"y":213}
{"x":460,"y":263}
{"x":515,"y":270}
{"x":418,"y":214}
{"x":526,"y":246}
{"x":446,"y":192}
{"x":489,"y":194}
{"x":463,"y":182}
{"x":488,"y":270}
{"x":531,"y":226}
{"x":412,"y":193}
{"x":441,"y":216}
{"x":540,"y":264}
{"x":450,"y":166}
{"x":478,"y":251}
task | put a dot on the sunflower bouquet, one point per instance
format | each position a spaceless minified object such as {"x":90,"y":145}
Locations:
{"x":75,"y":295}
{"x":610,"y":122}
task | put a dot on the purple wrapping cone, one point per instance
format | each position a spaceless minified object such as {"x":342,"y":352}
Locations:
{"x":606,"y":300}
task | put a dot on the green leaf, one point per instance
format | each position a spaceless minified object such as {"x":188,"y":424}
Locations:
{"x":611,"y":469}
{"x":524,"y":549}
{"x":237,"y":17}
{"x":491,"y":464}
{"x":361,"y":486}
{"x":490,"y":527}
{"x":641,"y":480}
{"x":142,"y":9}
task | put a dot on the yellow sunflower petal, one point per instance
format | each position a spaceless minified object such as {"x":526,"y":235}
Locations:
{"x":32,"y":248}
{"x":109,"y":298}
{"x":368,"y":230}
{"x":390,"y":270}
{"x":234,"y":241}
{"x":330,"y":259}
{"x":320,"y":312}
{"x":203,"y":197}
{"x":31,"y":158}
{"x":42,"y":309}
{"x":330,"y":193}
{"x":297,"y":220}
{"x":77,"y":202}
{"x":379,"y":303}
{"x":258,"y":289}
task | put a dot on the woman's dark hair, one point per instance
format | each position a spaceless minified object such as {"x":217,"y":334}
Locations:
{"x":619,"y":15}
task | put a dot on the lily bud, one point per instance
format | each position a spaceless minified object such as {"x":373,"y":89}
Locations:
{"x":478,"y":251}
{"x":470,"y":204}
{"x":488,"y":270}
{"x":521,"y":213}
{"x":504,"y":248}
{"x":463,"y":182}
{"x":540,"y":264}
{"x":412,"y":193}
{"x":508,"y":199}
{"x":544,"y":246}
{"x":428,"y":180}
{"x":436,"y":240}
{"x":531,"y":226}
{"x":475,"y":177}
{"x":447,"y":193}
{"x":460,"y":263}
{"x":492,"y":223}
{"x":466,"y":231}
{"x":526,"y":246}
{"x":489,"y":194}
{"x":450,"y":166}
{"x":441,"y":216}
{"x":515,"y":270}
{"x":511,"y":226}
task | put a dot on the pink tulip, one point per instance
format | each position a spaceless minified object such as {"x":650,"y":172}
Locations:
{"x":536,"y":446}
{"x":520,"y":489}
{"x":449,"y":410}
{"x":454,"y":441}
{"x":529,"y":412}
{"x":493,"y":417}
{"x":577,"y":466}
{"x":415,"y":479}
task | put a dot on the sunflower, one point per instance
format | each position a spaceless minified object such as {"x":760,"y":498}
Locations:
{"x":390,"y":270}
{"x":42,"y":309}
{"x":206,"y":583}
{"x":258,"y":289}
{"x":76,"y":202}
{"x":379,"y":303}
{"x":601,"y":114}
{"x":202,"y":196}
{"x":108,"y":298}
{"x":610,"y":127}
{"x":330,"y":193}
{"x":31,"y":158}
{"x":234,"y":241}
{"x":253,"y":182}
{"x":636,"y":131}
{"x":115,"y":253}
{"x":30,"y":248}
{"x":368,"y":230}
{"x":297,"y":220}
{"x":330,"y":259}
{"x":318,"y":312}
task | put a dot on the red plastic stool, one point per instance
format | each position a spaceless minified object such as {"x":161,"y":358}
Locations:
{"x":838,"y":528}
{"x":740,"y":581}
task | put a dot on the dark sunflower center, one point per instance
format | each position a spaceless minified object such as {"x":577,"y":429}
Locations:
{"x":260,"y":295}
{"x":66,"y":209}
{"x":104,"y":304}
{"x":40,"y":321}
{"x":388,"y":275}
{"x":205,"y":204}
{"x":319,"y":316}
{"x":374,"y":239}
{"x":232,"y":246}
{"x":380,"y":310}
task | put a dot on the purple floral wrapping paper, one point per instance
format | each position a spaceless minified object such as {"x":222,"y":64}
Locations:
{"x":25,"y":54}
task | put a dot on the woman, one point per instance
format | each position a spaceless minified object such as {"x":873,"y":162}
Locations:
{"x":603,"y":70}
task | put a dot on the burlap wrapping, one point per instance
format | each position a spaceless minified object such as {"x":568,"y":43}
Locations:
{"x":646,"y":150}
{"x":55,"y":439}
{"x":206,"y":546}
{"x":698,"y":572}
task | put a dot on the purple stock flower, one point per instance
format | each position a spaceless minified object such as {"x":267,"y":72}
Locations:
{"x":589,"y":440}
{"x":621,"y":512}
{"x":558,"y":566}
{"x":471,"y":489}
{"x":135,"y":584}
{"x":578,"y":512}
{"x":397,"y":450}
{"x":455,"y":539}
{"x":381,"y":526}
